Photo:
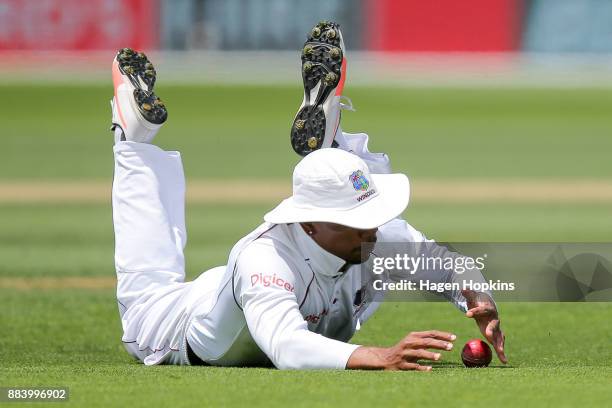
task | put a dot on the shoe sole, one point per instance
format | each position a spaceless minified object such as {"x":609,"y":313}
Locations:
{"x":321,"y":64}
{"x":141,"y":73}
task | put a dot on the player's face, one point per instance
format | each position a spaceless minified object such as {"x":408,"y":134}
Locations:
{"x":344,"y":242}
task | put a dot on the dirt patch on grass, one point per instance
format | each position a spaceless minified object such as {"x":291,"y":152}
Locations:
{"x":47,"y":283}
{"x":271,"y":191}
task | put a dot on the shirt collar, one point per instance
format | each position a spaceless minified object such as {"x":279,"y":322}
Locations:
{"x":321,"y":261}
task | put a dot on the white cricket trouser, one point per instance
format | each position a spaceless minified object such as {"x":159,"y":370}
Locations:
{"x":149,"y":221}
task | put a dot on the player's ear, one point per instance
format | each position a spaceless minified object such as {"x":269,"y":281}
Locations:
{"x":309,"y":228}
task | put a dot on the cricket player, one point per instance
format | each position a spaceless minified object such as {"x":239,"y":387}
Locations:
{"x":291,"y":294}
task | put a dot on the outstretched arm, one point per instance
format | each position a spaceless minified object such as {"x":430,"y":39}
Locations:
{"x":398,"y":230}
{"x":477,"y":305}
{"x":280,"y":331}
{"x":265,"y":288}
{"x":405,"y":354}
{"x":266,"y":292}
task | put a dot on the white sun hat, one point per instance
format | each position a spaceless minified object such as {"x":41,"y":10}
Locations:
{"x":332,"y":185}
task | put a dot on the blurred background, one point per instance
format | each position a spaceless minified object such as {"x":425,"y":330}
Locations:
{"x":498,"y":110}
{"x":392,"y":42}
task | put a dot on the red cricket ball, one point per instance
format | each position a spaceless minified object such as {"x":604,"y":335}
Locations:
{"x":476,"y":353}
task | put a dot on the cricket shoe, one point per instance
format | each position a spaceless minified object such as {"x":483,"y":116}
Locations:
{"x":137,"y":112}
{"x":323,"y":72}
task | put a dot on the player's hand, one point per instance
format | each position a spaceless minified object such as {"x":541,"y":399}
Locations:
{"x":482,"y":309}
{"x":405,"y":354}
{"x":412,"y":348}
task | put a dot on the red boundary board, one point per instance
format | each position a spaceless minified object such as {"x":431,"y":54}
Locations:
{"x":78,"y":24}
{"x":443,"y":25}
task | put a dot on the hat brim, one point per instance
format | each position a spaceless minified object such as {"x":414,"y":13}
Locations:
{"x":392,"y":199}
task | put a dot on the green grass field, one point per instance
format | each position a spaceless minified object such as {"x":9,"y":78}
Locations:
{"x":559,"y":353}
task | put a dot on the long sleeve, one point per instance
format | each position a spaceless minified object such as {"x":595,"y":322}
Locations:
{"x":265,"y":288}
{"x":399,"y":231}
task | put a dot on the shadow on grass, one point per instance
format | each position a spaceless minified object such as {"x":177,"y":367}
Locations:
{"x":447,"y":364}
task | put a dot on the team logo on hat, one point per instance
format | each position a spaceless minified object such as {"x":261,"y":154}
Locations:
{"x":360,"y":182}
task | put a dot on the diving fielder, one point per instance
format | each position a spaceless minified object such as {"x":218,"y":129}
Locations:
{"x":291,"y":293}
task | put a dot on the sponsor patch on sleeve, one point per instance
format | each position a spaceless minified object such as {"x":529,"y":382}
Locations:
{"x":271,"y":280}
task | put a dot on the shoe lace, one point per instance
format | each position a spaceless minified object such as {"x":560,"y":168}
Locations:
{"x":346,"y":104}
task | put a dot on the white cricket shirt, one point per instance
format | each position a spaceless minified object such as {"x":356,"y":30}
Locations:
{"x":281,"y":299}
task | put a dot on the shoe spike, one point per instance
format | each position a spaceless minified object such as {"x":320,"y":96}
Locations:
{"x":307,"y":66}
{"x":330,"y":78}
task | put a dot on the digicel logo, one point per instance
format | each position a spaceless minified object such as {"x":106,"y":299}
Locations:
{"x":269,"y":280}
{"x":314,"y":318}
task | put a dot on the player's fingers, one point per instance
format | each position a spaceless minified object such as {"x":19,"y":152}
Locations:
{"x":428,"y":342}
{"x":499,"y":344}
{"x":496,"y":337}
{"x":414,"y":366}
{"x":421,"y":354}
{"x":501,"y":355}
{"x":436,"y":334}
{"x":423,"y":368}
{"x":492,"y":329}
{"x":499,"y":349}
{"x":482,"y":310}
